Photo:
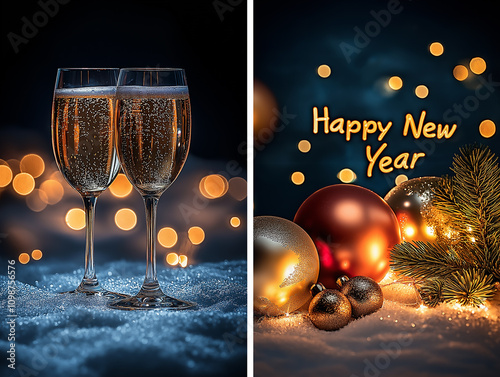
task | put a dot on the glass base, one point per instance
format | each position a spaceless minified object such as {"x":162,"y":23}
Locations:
{"x":91,"y":289}
{"x":146,"y":300}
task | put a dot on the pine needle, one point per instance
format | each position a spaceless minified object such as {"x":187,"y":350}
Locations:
{"x":468,"y":287}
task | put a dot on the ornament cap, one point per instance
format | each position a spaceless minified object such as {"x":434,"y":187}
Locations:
{"x":317,"y":288}
{"x":342,"y":280}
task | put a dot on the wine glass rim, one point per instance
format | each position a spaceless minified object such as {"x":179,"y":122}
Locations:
{"x":88,"y":69}
{"x":153,"y":69}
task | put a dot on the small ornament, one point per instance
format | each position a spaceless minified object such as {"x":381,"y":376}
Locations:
{"x":364,"y":294}
{"x":286,"y":265}
{"x":353,"y":229}
{"x":411,"y":201}
{"x":330,"y":310}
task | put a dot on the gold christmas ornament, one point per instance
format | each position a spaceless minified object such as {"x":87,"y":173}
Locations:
{"x":286,"y":265}
{"x":411,"y":201}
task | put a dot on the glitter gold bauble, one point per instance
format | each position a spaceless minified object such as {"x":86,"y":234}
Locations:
{"x":286,"y":265}
{"x":411,"y":201}
{"x":353,"y":229}
{"x":330,"y":310}
{"x":364,"y":294}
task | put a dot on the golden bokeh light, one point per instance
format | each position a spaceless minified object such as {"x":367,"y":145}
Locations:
{"x":238,"y":188}
{"x":400,"y":179}
{"x":24,"y":258}
{"x":477,"y":65}
{"x":125,"y":219}
{"x":235,"y":221}
{"x":121,"y":186}
{"x":32,"y":164}
{"x":37,"y":200}
{"x":421,"y":91}
{"x":213,"y":186}
{"x":75,"y":218}
{"x":487,"y":128}
{"x":395,"y":83}
{"x":5,"y":175}
{"x":304,"y":146}
{"x":37,"y":254}
{"x":167,"y":237}
{"x":460,"y":72}
{"x":23,"y":183}
{"x":172,"y":259}
{"x":298,"y":178}
{"x":53,"y":190}
{"x":324,"y":71}
{"x":183,"y":260}
{"x":346,"y":175}
{"x":436,"y":49}
{"x":196,"y":235}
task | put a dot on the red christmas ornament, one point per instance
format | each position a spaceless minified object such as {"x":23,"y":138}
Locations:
{"x":353,"y":229}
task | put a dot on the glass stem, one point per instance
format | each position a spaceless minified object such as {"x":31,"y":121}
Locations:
{"x":150,"y":281}
{"x":89,"y":277}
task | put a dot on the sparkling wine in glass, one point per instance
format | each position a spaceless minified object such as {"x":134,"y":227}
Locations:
{"x":153,"y":127}
{"x":83,"y":112}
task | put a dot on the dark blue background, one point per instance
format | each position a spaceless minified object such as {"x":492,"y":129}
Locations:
{"x":292,"y":38}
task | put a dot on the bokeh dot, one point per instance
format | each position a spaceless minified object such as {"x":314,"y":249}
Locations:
{"x":167,"y":237}
{"x":235,"y":221}
{"x":23,"y":183}
{"x":436,"y":49}
{"x":324,"y":71}
{"x":395,"y":83}
{"x":304,"y":146}
{"x":125,"y":219}
{"x":298,"y":178}
{"x":24,"y":258}
{"x":346,"y":175}
{"x":477,"y":65}
{"x":400,"y":179}
{"x":421,"y":91}
{"x":36,"y":254}
{"x":75,"y":218}
{"x":460,"y":72}
{"x":196,"y":235}
{"x":487,"y":128}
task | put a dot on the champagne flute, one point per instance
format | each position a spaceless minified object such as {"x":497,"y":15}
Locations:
{"x":153,"y":127}
{"x":83,"y":111}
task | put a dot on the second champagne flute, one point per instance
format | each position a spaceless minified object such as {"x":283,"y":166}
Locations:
{"x":153,"y":129}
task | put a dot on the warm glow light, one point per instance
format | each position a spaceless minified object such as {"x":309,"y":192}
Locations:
{"x":346,"y":175}
{"x":409,"y":231}
{"x":196,"y":235}
{"x":23,"y":183}
{"x":477,"y":65}
{"x":235,"y":221}
{"x":213,"y":186}
{"x":37,"y":200}
{"x":298,"y":178}
{"x":460,"y":72}
{"x":53,"y":191}
{"x":400,"y":179}
{"x":324,"y":71}
{"x":24,"y":258}
{"x":5,"y":175}
{"x":183,"y":260}
{"x":172,"y":259}
{"x":32,"y":164}
{"x":395,"y":83}
{"x":125,"y":219}
{"x":167,"y":237}
{"x":487,"y":128}
{"x":436,"y":49}
{"x":304,"y":146}
{"x":75,"y":218}
{"x":238,"y":188}
{"x":421,"y":91}
{"x":121,"y":186}
{"x":36,"y":254}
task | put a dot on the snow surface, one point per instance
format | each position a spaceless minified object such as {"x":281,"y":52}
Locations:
{"x":70,"y":335}
{"x":397,"y":341}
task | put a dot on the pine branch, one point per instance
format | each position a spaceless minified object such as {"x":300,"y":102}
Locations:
{"x":424,"y":260}
{"x":468,"y":287}
{"x":430,"y":292}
